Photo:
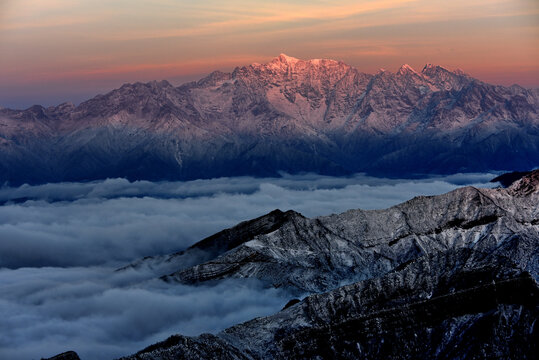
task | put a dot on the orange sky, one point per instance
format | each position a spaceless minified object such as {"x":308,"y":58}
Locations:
{"x":53,"y":51}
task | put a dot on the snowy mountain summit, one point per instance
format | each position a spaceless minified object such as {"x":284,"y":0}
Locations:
{"x":289,"y":115}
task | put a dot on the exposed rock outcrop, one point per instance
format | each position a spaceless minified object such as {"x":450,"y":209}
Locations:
{"x":313,"y":255}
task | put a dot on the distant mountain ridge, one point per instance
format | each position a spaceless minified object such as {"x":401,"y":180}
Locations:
{"x":286,"y":115}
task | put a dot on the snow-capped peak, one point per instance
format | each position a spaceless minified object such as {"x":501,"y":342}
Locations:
{"x":430,"y":68}
{"x":287,"y":59}
{"x":404,"y":69}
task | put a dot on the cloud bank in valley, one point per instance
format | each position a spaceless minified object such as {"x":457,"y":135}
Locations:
{"x":115,"y":221}
{"x":60,"y":245}
{"x":103,"y":315}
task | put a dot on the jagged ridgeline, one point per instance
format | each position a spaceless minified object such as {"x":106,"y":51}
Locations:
{"x":452,"y":276}
{"x":287,"y":115}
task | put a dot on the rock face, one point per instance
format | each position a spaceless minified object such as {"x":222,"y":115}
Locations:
{"x":319,"y":254}
{"x":213,"y":246}
{"x":509,"y":178}
{"x":289,"y":114}
{"x":444,"y":277}
{"x":435,"y":308}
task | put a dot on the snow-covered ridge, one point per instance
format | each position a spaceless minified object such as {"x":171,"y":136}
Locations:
{"x":286,"y":249}
{"x":449,"y":274}
{"x":288,"y":114}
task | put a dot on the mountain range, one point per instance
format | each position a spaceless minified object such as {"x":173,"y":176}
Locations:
{"x":286,"y":115}
{"x":438,"y":277}
{"x":452,"y":276}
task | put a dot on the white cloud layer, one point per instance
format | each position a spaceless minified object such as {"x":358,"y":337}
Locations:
{"x":114,"y":221}
{"x":60,"y":244}
{"x":102,"y":314}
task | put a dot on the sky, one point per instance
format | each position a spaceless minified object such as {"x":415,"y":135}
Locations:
{"x":53,"y":51}
{"x":61,"y":244}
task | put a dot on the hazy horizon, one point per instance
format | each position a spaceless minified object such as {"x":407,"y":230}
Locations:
{"x":68,"y":51}
{"x":77,"y":99}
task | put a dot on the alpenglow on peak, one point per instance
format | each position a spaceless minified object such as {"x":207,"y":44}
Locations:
{"x":405,"y":69}
{"x":287,"y":59}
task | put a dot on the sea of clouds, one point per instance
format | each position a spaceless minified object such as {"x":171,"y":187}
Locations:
{"x":60,"y":244}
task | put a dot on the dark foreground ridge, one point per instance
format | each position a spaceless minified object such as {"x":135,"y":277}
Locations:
{"x":508,"y":179}
{"x":453,"y":276}
{"x":468,"y":314}
{"x":68,"y":355}
{"x":457,"y":280}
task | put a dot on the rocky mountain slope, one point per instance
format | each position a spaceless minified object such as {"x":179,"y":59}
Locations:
{"x":289,"y":114}
{"x":443,"y":277}
{"x":443,"y":307}
{"x":286,"y":249}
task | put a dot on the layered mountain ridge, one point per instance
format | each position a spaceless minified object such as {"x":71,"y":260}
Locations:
{"x":439,"y":277}
{"x":306,"y":255}
{"x":286,"y":115}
